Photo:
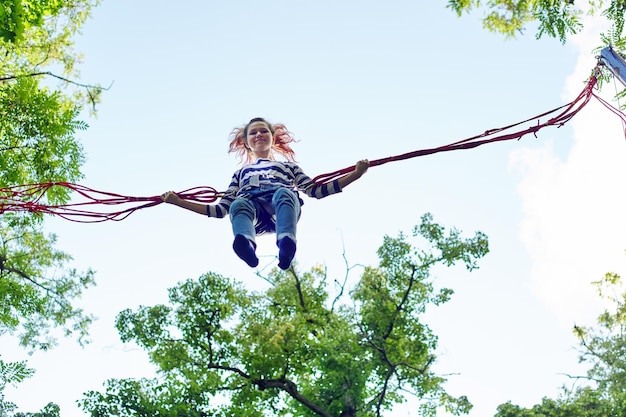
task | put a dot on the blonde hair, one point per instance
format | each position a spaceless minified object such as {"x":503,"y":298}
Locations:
{"x":281,"y":135}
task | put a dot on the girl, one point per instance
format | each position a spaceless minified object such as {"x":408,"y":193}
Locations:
{"x":263,"y":194}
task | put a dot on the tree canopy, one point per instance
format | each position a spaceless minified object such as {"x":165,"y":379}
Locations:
{"x":294,"y":349}
{"x":604,"y":348}
{"x":39,"y":122}
{"x":18,"y":16}
{"x":41,"y":101}
{"x":557,"y":19}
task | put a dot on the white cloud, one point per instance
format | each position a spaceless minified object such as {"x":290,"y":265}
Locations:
{"x":574,"y":217}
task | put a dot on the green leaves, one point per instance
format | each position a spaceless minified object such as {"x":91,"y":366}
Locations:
{"x":13,"y":20}
{"x":50,"y":410}
{"x":18,"y":16}
{"x":38,"y":127}
{"x":30,"y":299}
{"x":604,"y":348}
{"x":584,"y":402}
{"x":12,"y":373}
{"x":146,"y":397}
{"x":555,"y":18}
{"x":392,"y":298}
{"x":224,"y":351}
{"x":37,"y":142}
{"x":451,"y":248}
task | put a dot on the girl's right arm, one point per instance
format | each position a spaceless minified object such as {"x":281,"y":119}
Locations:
{"x":171,"y":197}
{"x":218,"y":210}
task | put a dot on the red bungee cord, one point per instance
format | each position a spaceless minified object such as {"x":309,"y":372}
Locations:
{"x":487,"y":137}
{"x":28,"y":197}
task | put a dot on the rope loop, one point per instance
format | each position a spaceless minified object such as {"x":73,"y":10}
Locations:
{"x":568,"y":111}
{"x":26,"y":198}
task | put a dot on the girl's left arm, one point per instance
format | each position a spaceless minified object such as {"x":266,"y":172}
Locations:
{"x":359,"y":169}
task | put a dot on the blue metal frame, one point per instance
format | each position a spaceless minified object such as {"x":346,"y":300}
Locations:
{"x":614,"y":62}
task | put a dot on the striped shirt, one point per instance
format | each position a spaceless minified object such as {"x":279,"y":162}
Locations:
{"x":265,"y":172}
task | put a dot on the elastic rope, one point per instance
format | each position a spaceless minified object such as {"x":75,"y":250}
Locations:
{"x":29,"y":198}
{"x":570,"y":110}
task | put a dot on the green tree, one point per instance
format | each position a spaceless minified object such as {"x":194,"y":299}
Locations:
{"x":604,"y":348}
{"x":584,"y":402}
{"x":50,"y":410}
{"x":40,"y":103}
{"x":17,"y":16}
{"x":293,"y":349}
{"x":11,"y":373}
{"x":38,"y":143}
{"x":43,"y":49}
{"x":555,"y":18}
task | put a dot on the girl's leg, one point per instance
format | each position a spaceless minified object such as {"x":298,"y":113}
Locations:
{"x":242,"y":214}
{"x":287,"y":209}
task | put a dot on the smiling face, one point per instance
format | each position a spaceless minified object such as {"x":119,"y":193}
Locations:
{"x":259,"y":139}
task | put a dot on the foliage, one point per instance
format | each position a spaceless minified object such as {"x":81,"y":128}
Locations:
{"x":50,"y":410}
{"x":17,"y":16}
{"x":32,"y":298}
{"x":38,"y":143}
{"x":11,"y":373}
{"x":14,"y":372}
{"x":291,"y":350}
{"x":128,"y":397}
{"x":604,"y":347}
{"x":39,"y":122}
{"x":37,"y":137}
{"x":555,"y":18}
{"x":37,"y":43}
{"x":585,"y":402}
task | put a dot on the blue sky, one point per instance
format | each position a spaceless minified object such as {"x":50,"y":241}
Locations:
{"x":352,"y":80}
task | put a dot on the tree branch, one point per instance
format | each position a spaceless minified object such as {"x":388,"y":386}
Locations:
{"x":400,"y":306}
{"x":383,"y":392}
{"x":290,"y":388}
{"x":67,"y":80}
{"x":88,"y":87}
{"x":230,"y":369}
{"x":342,"y":285}
{"x":4,"y":267}
{"x":422,"y":370}
{"x":586,"y":377}
{"x":299,"y":289}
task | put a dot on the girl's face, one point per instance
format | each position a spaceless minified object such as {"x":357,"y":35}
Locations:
{"x":259,"y":139}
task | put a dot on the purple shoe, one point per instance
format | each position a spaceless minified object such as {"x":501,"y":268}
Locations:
{"x":286,"y":252}
{"x":245,"y":250}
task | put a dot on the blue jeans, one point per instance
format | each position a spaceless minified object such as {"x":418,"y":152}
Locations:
{"x":266,"y":210}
